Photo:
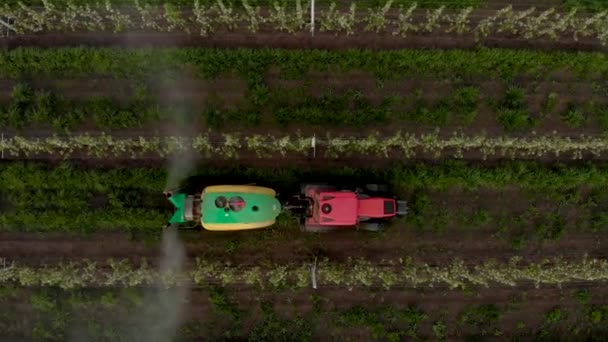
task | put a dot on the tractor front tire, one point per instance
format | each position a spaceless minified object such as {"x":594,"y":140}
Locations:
{"x":322,"y":186}
{"x":316,"y":229}
{"x":371,"y":226}
{"x":376,"y":187}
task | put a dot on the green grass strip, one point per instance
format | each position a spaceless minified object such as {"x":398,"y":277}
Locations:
{"x":41,"y":198}
{"x":20,"y":176}
{"x":113,"y":220}
{"x":172,"y":63}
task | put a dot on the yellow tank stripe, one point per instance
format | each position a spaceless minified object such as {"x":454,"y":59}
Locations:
{"x":251,"y":189}
{"x":236,"y":226}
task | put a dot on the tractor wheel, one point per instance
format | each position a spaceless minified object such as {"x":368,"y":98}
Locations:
{"x":316,"y":229}
{"x":323,"y":186}
{"x":371,"y":226}
{"x":376,"y":187}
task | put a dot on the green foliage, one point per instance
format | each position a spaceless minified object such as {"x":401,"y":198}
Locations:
{"x":512,"y":113}
{"x":553,"y":229}
{"x":350,"y":109}
{"x":274,"y":328}
{"x":465,"y":101}
{"x":318,"y":303}
{"x":214,"y":118}
{"x":105,"y":114}
{"x":21,"y":101}
{"x":386,"y":322}
{"x":515,"y":98}
{"x":54,"y":314}
{"x":43,"y":303}
{"x":549,"y":103}
{"x":438,"y":114}
{"x":589,"y":5}
{"x":220,"y":301}
{"x":28,"y":107}
{"x":461,"y":105}
{"x":440,"y":330}
{"x":554,"y":316}
{"x":574,"y":117}
{"x":45,"y":106}
{"x":37,"y":197}
{"x":483,"y":318}
{"x":284,"y":106}
{"x":598,"y":314}
{"x":598,"y":203}
{"x":58,"y":314}
{"x":108,"y":299}
{"x":253,"y":64}
{"x":69,"y":199}
{"x":514,"y":119}
{"x":583,"y":296}
{"x":417,"y":208}
{"x":602,"y":117}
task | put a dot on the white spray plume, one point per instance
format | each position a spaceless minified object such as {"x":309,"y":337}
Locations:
{"x":182,"y":124}
{"x":179,"y":167}
{"x":159,"y":316}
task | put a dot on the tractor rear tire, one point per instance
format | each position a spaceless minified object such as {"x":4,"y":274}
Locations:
{"x":371,"y":226}
{"x":376,"y":187}
{"x":402,"y":208}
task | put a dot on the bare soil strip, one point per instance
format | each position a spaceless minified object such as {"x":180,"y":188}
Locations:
{"x":321,"y":40}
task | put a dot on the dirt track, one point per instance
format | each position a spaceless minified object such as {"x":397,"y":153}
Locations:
{"x":321,"y":40}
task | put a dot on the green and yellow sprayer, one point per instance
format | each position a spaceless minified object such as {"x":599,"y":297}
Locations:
{"x":321,"y":207}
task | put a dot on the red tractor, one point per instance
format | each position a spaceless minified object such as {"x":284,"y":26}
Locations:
{"x":327,"y":208}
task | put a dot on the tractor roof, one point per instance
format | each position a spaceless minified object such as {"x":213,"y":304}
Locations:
{"x":377,"y":207}
{"x":236,"y":207}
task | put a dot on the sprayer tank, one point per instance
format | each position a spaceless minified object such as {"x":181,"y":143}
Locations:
{"x":238,"y":207}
